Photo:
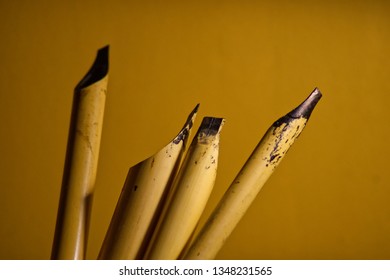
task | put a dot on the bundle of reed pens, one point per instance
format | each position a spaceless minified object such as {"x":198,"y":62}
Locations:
{"x":164,"y":196}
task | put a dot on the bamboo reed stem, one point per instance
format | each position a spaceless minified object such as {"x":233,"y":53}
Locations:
{"x":81,"y":162}
{"x":191,"y":190}
{"x":142,"y":196}
{"x":253,"y":175}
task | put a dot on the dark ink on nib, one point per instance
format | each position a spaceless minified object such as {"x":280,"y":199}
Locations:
{"x":306,"y":107}
{"x":98,"y":70}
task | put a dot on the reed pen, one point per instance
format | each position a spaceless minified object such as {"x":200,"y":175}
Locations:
{"x":268,"y":154}
{"x":142,"y":197}
{"x":191,"y":191}
{"x":71,"y":232}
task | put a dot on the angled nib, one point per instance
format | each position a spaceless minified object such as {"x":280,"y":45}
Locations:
{"x":306,"y":107}
{"x":98,"y":71}
{"x":185,"y":131}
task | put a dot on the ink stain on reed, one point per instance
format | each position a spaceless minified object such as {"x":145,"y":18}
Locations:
{"x":135,"y":188}
{"x":272,"y":157}
{"x":183,"y":135}
{"x":167,"y":152}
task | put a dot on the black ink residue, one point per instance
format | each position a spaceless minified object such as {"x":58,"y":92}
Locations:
{"x":187,"y":126}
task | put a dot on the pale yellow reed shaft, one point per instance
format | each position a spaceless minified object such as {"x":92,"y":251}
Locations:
{"x":138,"y":207}
{"x":253,"y":175}
{"x":71,"y":234}
{"x":192,"y":188}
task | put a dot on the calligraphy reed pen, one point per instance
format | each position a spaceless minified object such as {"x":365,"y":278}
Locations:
{"x":71,"y":233}
{"x":191,"y":191}
{"x":265,"y":158}
{"x":142,"y":197}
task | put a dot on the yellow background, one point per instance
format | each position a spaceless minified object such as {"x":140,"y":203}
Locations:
{"x":247,"y":61}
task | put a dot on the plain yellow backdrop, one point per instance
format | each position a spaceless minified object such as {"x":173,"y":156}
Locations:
{"x":247,"y":61}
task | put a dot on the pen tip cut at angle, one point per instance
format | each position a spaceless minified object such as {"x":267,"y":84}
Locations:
{"x":81,"y":161}
{"x":260,"y":165}
{"x":185,"y":132}
{"x":306,"y":107}
{"x":98,"y":70}
{"x":143,"y":195}
{"x":190,"y":192}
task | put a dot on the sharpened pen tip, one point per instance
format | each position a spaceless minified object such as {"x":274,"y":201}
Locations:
{"x":184,"y":132}
{"x":306,"y":107}
{"x":195,"y":109}
{"x":210,"y":126}
{"x":191,"y":117}
{"x":98,"y":70}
